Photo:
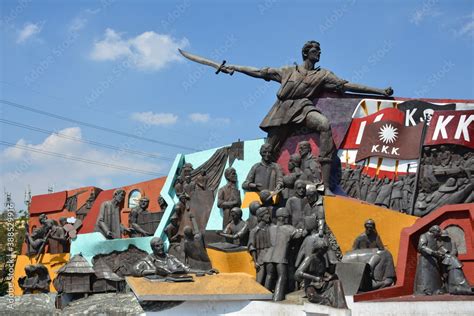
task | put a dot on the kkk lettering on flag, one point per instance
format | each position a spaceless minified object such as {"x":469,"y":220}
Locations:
{"x":417,"y":111}
{"x":390,"y":139}
{"x":451,"y":127}
{"x":356,"y":129}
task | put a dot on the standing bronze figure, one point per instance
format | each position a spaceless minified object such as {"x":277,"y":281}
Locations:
{"x":135,"y":229}
{"x":108,"y":222}
{"x":300,"y":85}
{"x":228,"y":196}
{"x":259,"y":242}
{"x":428,"y":272}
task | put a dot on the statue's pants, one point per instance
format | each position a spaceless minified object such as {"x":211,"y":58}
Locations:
{"x":281,"y":270}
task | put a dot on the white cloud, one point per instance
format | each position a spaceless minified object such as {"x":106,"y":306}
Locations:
{"x":206,"y":118}
{"x":28,"y":32}
{"x":77,"y":24}
{"x":155,"y":118}
{"x":467,"y":29}
{"x":199,"y":117}
{"x":81,"y":19}
{"x":427,"y":10}
{"x":147,"y":51}
{"x":22,"y":167}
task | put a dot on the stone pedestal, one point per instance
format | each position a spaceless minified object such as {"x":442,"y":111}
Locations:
{"x":218,"y":287}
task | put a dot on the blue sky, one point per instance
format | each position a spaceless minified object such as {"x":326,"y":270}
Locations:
{"x":114,"y":64}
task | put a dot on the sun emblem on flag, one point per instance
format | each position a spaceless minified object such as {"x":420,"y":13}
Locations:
{"x":388,"y":134}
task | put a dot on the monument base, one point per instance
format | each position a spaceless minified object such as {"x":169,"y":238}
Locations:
{"x":218,"y":287}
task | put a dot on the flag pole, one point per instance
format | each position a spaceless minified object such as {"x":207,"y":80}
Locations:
{"x":418,"y":169}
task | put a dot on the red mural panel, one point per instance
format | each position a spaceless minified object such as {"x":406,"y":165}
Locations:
{"x":461,"y":215}
{"x":89,"y":222}
{"x":46,"y":203}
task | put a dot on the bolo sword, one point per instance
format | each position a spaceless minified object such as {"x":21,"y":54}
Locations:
{"x":205,"y":61}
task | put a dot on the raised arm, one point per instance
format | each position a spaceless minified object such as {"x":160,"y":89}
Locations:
{"x":332,"y":82}
{"x":359,"y":88}
{"x":262,"y":73}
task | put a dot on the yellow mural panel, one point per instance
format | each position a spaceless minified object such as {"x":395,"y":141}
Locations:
{"x":53,"y":263}
{"x":346,"y":217}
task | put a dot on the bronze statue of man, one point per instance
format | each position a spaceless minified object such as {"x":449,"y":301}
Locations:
{"x":368,"y":239}
{"x":236,"y":232}
{"x":259,"y":242}
{"x":428,"y":273}
{"x":228,"y":196}
{"x":276,"y":257}
{"x":320,"y":285}
{"x":300,"y":85}
{"x":163,"y":264}
{"x":309,"y":165}
{"x":295,"y":173}
{"x":264,"y":175}
{"x":108,"y":222}
{"x":136,"y":230}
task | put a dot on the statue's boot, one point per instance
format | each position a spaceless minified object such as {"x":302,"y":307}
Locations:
{"x":326,"y":175}
{"x":326,"y":151}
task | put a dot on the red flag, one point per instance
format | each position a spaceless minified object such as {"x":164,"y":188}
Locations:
{"x":391,"y":140}
{"x":451,"y":127}
{"x":358,"y":125}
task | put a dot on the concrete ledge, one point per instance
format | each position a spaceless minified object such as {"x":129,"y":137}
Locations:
{"x":218,"y":287}
{"x":412,"y":308}
{"x":322,"y":310}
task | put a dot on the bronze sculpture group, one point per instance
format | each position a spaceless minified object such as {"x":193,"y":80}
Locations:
{"x":288,"y":238}
{"x":300,"y":85}
{"x":439,"y":270}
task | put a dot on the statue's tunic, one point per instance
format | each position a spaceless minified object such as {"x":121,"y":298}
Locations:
{"x":280,"y":237}
{"x":268,"y":175}
{"x":133,"y":219}
{"x":259,"y":241}
{"x":364,"y":241}
{"x":230,"y":194}
{"x":310,"y":167}
{"x":241,"y":229}
{"x":296,"y":205}
{"x":109,"y":215}
{"x":298,"y":88}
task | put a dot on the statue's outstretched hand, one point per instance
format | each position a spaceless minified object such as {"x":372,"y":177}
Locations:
{"x":388,"y":91}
